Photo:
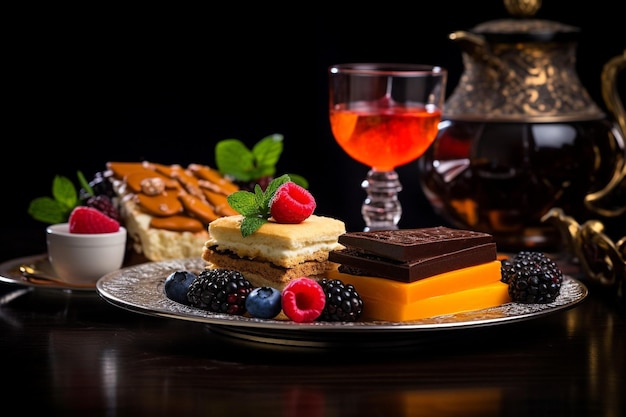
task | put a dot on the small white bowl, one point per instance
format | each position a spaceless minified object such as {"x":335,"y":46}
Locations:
{"x":79,"y":258}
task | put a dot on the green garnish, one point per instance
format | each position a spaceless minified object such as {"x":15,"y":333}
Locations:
{"x":234,"y":159}
{"x":255,"y":206}
{"x":65,"y":198}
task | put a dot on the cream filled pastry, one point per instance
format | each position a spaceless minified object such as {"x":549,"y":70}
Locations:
{"x":276,"y":253}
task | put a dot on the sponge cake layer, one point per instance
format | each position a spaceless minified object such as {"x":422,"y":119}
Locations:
{"x":284,"y":245}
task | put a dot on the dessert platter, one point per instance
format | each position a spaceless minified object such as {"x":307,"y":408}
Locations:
{"x":37,"y":274}
{"x":139,"y":289}
{"x":261,"y":267}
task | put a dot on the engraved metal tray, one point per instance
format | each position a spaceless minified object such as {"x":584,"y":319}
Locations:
{"x":139,"y":289}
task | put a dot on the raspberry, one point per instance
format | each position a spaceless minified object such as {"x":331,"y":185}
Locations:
{"x":88,"y":220}
{"x":292,"y":203}
{"x":303,"y":300}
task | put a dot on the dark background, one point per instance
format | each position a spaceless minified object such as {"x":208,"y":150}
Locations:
{"x":87,"y":86}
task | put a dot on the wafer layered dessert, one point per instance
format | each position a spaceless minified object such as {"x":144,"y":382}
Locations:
{"x":276,"y":253}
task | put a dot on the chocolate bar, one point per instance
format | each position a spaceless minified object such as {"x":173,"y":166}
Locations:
{"x":357,"y":262}
{"x":409,"y":244}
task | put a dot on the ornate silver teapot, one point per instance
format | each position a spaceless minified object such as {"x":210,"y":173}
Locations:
{"x":520,"y":135}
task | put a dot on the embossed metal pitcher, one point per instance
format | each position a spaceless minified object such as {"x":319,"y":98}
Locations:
{"x":520,"y":135}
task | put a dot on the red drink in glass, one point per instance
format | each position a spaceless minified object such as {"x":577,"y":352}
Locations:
{"x":383,"y":116}
{"x":384,"y":138}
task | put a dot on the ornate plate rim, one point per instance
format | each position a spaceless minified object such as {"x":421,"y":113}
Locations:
{"x":139,"y":289}
{"x":9,"y":273}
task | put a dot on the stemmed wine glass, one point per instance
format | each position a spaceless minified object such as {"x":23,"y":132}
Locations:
{"x":385,"y":116}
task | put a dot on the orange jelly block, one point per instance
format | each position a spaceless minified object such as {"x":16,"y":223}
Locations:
{"x":406,"y":293}
{"x":486,"y":296}
{"x":466,"y":289}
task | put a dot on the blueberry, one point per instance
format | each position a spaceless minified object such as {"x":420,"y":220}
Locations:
{"x":264,"y":302}
{"x":177,"y":284}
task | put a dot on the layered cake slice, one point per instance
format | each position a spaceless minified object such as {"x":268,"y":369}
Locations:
{"x":276,"y":253}
{"x":167,"y":208}
{"x":410,"y":274}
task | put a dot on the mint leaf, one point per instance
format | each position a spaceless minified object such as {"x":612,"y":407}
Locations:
{"x":267,"y":153}
{"x":255,"y":207}
{"x":260,"y":198}
{"x":233,"y":158}
{"x":275,"y":183}
{"x":300,"y":180}
{"x":48,"y":210}
{"x":244,"y":202}
{"x":65,"y":198}
{"x":249,"y":225}
{"x":64,"y":191}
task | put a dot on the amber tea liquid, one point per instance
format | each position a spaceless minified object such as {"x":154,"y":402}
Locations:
{"x":501,"y":178}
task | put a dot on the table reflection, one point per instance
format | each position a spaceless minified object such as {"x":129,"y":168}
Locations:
{"x":81,"y":354}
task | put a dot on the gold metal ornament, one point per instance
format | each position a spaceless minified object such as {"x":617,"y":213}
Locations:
{"x":602,"y":261}
{"x":522,"y":8}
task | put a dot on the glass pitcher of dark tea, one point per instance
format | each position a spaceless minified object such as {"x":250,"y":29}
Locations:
{"x":520,"y":135}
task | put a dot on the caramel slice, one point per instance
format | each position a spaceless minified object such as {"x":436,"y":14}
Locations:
{"x":197,"y":192}
{"x":136,"y":180}
{"x":166,"y":204}
{"x":213,"y":177}
{"x":177,"y":223}
{"x":220,"y":202}
{"x":121,"y":169}
{"x":198,"y":208}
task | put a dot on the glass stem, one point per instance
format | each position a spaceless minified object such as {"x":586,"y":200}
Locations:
{"x":381,"y":209}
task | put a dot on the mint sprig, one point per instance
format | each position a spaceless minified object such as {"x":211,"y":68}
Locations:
{"x":234,"y":159}
{"x":65,"y":198}
{"x":255,"y":206}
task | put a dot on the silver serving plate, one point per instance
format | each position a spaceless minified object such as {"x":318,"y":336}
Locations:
{"x":139,"y":289}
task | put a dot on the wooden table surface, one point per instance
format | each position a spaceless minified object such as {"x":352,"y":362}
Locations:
{"x":77,"y":354}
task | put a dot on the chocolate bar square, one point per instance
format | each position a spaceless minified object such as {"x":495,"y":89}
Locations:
{"x":358,"y":262}
{"x":408,"y":244}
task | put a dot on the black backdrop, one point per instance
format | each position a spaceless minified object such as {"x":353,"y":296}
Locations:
{"x":87,"y":86}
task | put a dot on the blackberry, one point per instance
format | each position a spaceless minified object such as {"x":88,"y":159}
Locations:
{"x":506,"y":270}
{"x":104,"y":204}
{"x":343,"y":302}
{"x":532,"y":277}
{"x":100,"y":184}
{"x":220,"y":291}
